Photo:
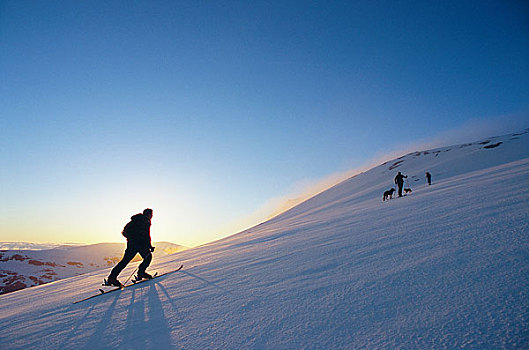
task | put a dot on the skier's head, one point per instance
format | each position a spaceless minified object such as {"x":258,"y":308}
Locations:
{"x":148,"y":213}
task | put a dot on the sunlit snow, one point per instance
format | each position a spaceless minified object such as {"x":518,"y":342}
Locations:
{"x":446,"y":266}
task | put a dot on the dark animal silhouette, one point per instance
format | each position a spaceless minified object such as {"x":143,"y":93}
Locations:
{"x":407,"y":190}
{"x":388,"y":194}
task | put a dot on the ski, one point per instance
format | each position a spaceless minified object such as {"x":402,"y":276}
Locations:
{"x":134,"y":282}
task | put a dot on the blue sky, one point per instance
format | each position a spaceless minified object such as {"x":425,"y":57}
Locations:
{"x":207,"y":111}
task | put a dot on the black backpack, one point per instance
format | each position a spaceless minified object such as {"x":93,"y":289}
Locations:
{"x":131,"y":230}
{"x":135,"y":228}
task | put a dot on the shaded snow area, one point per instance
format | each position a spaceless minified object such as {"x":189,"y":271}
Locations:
{"x":20,"y":269}
{"x":446,"y":266}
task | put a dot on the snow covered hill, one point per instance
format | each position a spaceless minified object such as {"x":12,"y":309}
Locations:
{"x":25,"y":268}
{"x":446,"y":266}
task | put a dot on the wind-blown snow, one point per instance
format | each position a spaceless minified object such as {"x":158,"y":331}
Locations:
{"x":444,"y":267}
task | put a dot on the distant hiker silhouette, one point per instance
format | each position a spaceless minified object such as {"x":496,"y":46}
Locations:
{"x":429,"y":178}
{"x":399,"y":180}
{"x":138,"y":234}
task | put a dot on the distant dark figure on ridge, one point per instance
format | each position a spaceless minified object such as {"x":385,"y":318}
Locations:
{"x":399,"y":181}
{"x":429,"y":178}
{"x":138,"y":234}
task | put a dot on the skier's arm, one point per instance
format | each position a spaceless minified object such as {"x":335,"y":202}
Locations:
{"x":151,"y":248}
{"x":148,"y":236}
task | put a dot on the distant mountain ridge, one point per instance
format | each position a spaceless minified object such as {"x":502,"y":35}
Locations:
{"x":32,"y":246}
{"x":22,"y":268}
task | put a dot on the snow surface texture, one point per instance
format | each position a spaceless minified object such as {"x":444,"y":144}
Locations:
{"x":25,"y":268}
{"x":444,"y":267}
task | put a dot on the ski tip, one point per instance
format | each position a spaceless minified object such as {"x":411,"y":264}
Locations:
{"x":180,"y":268}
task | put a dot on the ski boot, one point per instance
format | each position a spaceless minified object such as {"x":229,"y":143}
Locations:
{"x":112,"y":281}
{"x":144,"y":276}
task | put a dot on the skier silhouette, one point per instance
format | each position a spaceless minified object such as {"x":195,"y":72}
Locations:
{"x":138,"y":234}
{"x":399,"y":180}
{"x":429,"y":178}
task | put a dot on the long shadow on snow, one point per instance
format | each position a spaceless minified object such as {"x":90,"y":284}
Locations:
{"x":205,"y":281}
{"x":74,"y":330}
{"x":141,"y":330}
{"x":268,"y":238}
{"x":135,"y":317}
{"x":161,"y":329}
{"x":164,"y":291}
{"x":97,"y":338}
{"x":146,"y":330}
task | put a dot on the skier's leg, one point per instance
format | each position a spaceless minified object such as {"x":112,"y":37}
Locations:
{"x":147,"y":258}
{"x":130,"y":252}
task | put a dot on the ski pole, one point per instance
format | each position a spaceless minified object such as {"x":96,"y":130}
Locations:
{"x":131,"y":275}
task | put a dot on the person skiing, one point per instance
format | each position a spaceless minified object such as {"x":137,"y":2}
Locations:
{"x":429,"y":178}
{"x":138,"y":234}
{"x":399,"y":180}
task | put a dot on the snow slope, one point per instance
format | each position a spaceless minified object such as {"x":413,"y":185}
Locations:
{"x":444,"y":267}
{"x":26,"y":268}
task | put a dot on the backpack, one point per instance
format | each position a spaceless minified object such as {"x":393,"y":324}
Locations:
{"x":128,"y":230}
{"x":134,"y":229}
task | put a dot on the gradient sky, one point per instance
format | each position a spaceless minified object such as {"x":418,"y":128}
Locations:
{"x":208,"y":111}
